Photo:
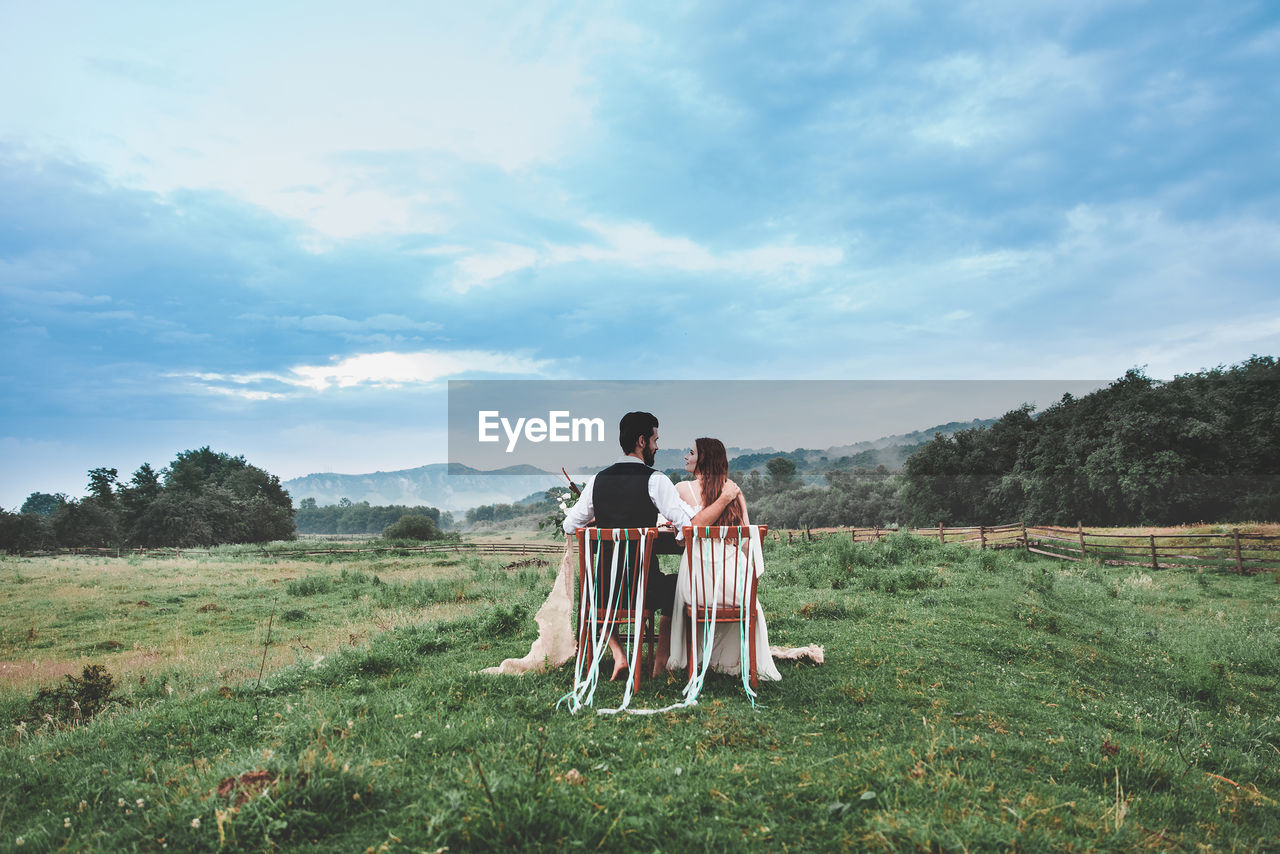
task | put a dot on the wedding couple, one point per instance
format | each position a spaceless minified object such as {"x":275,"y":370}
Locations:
{"x":631,"y":494}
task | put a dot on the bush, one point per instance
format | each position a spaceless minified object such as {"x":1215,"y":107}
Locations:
{"x":309,"y":586}
{"x":75,"y":701}
{"x":412,"y":527}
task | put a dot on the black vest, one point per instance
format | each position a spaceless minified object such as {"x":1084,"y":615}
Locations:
{"x":620,"y":497}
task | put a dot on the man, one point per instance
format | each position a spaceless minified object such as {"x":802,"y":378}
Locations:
{"x":630,"y":494}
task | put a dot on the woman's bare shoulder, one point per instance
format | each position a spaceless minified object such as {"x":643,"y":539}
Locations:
{"x":688,"y":490}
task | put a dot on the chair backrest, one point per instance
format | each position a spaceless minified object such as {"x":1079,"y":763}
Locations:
{"x":596,"y":572}
{"x":719,"y":558}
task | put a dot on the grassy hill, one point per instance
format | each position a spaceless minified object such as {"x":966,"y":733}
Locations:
{"x":970,"y":700}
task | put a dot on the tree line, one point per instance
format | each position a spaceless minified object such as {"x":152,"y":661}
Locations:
{"x":202,"y":498}
{"x":360,"y":517}
{"x":1203,"y":447}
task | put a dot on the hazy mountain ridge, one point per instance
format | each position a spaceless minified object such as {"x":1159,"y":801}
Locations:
{"x":455,"y":487}
{"x":439,"y":485}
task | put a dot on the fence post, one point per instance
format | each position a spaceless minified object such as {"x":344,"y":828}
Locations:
{"x":1155,"y":564}
{"x":1235,"y":536}
{"x":876,"y":533}
{"x":941,"y":537}
{"x":982,"y":536}
{"x":1026,"y":544}
{"x":788,"y":538}
{"x":1080,"y":531}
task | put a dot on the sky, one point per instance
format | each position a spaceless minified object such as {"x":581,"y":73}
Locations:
{"x":280,"y":229}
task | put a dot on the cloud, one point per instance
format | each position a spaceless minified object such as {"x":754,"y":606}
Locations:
{"x":348,"y":326}
{"x":638,"y":246}
{"x":371,"y":370}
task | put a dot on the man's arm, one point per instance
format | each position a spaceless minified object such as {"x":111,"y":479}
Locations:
{"x":672,"y":506}
{"x":582,"y":512}
{"x":709,"y":514}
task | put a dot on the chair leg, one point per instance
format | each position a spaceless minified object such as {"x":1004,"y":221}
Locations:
{"x":751,"y":644}
{"x":692,"y":662}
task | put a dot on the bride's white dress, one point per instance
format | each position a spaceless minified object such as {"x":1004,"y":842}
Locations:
{"x":726,"y":647}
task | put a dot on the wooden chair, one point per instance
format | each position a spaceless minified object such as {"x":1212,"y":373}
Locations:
{"x":602,"y":608}
{"x":713,"y":550}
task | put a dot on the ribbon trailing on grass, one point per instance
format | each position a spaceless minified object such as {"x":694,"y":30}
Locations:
{"x":586,"y":676}
{"x":710,"y":606}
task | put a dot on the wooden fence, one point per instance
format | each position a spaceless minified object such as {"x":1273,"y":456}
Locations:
{"x":486,"y":548}
{"x":1238,"y":551}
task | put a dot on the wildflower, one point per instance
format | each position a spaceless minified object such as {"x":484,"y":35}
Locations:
{"x":417,"y":734}
{"x":66,"y":821}
{"x":19,"y":841}
{"x":140,"y":802}
{"x":82,"y":806}
{"x":356,"y":796}
{"x":195,"y":822}
{"x":120,"y":802}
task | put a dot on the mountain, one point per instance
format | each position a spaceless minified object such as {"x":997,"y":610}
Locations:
{"x":442,"y":485}
{"x":457,"y":487}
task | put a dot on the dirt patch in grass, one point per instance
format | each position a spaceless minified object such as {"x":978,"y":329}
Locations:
{"x":31,"y":673}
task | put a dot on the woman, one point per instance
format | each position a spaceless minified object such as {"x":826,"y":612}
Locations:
{"x":709,"y":463}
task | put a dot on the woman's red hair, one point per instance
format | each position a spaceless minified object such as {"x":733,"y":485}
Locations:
{"x":712,"y":470}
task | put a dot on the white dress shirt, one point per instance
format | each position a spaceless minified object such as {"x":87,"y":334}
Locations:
{"x":662,"y":492}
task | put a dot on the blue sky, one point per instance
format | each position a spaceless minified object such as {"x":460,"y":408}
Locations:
{"x":280,"y":229}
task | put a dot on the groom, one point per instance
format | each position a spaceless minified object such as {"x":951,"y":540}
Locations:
{"x":630,"y":494}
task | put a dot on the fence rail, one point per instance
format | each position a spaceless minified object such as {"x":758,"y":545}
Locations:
{"x":504,"y":548}
{"x":1239,"y":551}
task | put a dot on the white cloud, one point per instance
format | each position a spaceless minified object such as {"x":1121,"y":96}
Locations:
{"x":638,"y":246}
{"x":984,"y":99}
{"x":345,"y":325}
{"x":376,"y":370}
{"x":469,"y":85}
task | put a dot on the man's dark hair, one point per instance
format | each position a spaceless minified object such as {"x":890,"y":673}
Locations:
{"x":632,"y":426}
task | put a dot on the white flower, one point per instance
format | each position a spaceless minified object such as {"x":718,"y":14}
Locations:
{"x":66,"y":821}
{"x":140,"y":802}
{"x":120,"y":802}
{"x":417,"y":734}
{"x":19,"y":841}
{"x":195,"y":822}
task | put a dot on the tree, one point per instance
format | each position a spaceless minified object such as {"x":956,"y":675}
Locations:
{"x":102,"y":484}
{"x":782,"y":473}
{"x":42,"y":503}
{"x":412,"y":527}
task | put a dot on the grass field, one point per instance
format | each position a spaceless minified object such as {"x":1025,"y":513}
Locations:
{"x":970,"y":701}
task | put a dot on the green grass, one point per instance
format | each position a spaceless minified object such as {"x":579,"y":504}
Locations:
{"x":970,"y":700}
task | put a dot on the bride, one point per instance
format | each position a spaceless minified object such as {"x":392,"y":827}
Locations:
{"x":709,"y":463}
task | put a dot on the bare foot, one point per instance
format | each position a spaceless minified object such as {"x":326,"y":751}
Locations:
{"x":619,"y":658}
